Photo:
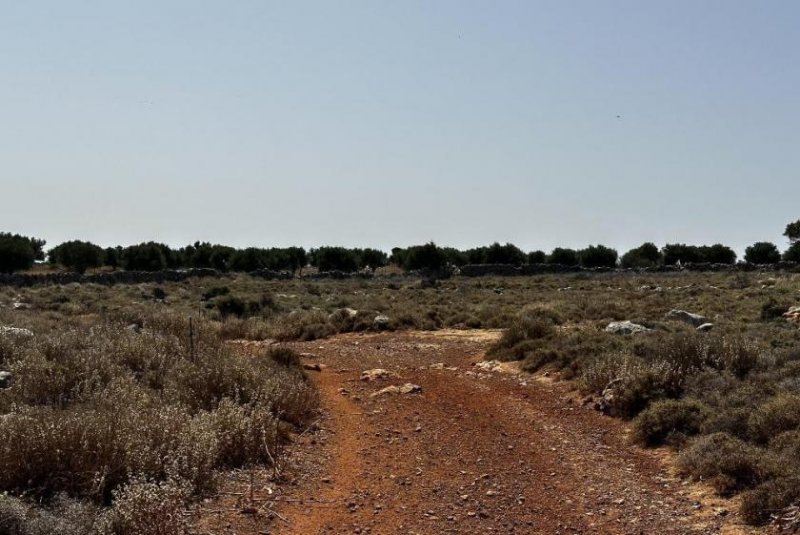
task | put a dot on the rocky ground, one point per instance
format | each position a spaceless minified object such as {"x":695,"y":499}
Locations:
{"x":472,"y":450}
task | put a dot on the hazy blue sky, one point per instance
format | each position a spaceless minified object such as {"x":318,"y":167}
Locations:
{"x":398,"y":122}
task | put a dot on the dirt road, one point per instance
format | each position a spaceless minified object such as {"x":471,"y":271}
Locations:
{"x":473,"y":452}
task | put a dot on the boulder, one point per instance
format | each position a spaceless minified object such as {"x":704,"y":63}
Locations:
{"x":6,"y":380}
{"x":695,"y":320}
{"x":705,"y":327}
{"x":625,"y":327}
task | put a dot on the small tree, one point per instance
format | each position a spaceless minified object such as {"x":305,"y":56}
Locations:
{"x":537,"y":257}
{"x":679,"y":252}
{"x":144,"y":257}
{"x":77,"y":255}
{"x":717,"y":254}
{"x":112,"y":256}
{"x":792,"y":254}
{"x":335,"y":258}
{"x":646,"y":255}
{"x":505,"y":254}
{"x":596,"y":256}
{"x":567,"y":257}
{"x":18,"y":252}
{"x":427,"y":256}
{"x":762,"y":253}
{"x":373,"y":258}
{"x":793,"y":231}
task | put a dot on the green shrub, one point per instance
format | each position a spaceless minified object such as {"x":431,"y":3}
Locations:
{"x":669,"y":421}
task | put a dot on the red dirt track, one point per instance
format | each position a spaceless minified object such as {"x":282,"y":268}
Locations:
{"x":473,"y":452}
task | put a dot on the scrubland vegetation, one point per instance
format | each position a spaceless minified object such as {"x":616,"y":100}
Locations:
{"x":115,"y":418}
{"x":728,"y":399}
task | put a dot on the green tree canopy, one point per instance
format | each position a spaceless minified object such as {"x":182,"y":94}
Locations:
{"x":18,"y":253}
{"x":77,"y":255}
{"x":762,"y":253}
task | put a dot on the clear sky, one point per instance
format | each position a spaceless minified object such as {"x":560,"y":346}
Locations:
{"x":383,"y":123}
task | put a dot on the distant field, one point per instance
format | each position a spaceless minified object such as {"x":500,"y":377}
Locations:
{"x":116,"y":417}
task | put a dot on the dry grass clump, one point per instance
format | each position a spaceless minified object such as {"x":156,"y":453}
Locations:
{"x":136,"y":420}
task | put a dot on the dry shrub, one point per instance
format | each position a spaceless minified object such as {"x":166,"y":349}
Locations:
{"x":769,"y":499}
{"x":137,"y":420}
{"x":521,"y":337}
{"x":635,"y":382}
{"x":692,"y":351}
{"x":728,"y":463}
{"x":669,"y":421}
{"x":302,"y":325}
{"x":63,"y":516}
{"x":145,"y":507}
{"x":775,"y":416}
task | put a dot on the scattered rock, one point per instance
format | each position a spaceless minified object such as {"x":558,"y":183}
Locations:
{"x":625,"y":327}
{"x":381,"y":322}
{"x":18,"y":305}
{"x":488,"y":365}
{"x":6,"y":380}
{"x":793,"y":314}
{"x":686,"y":317}
{"x":312,"y":367}
{"x":441,"y":366}
{"x":134,"y":328}
{"x":6,"y":330}
{"x":607,"y":403}
{"x":408,"y":388}
{"x":388,"y":390}
{"x":375,"y":374}
{"x":705,"y":327}
{"x":346,"y":312}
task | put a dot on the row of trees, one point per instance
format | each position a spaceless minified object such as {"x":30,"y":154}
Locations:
{"x":20,"y":252}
